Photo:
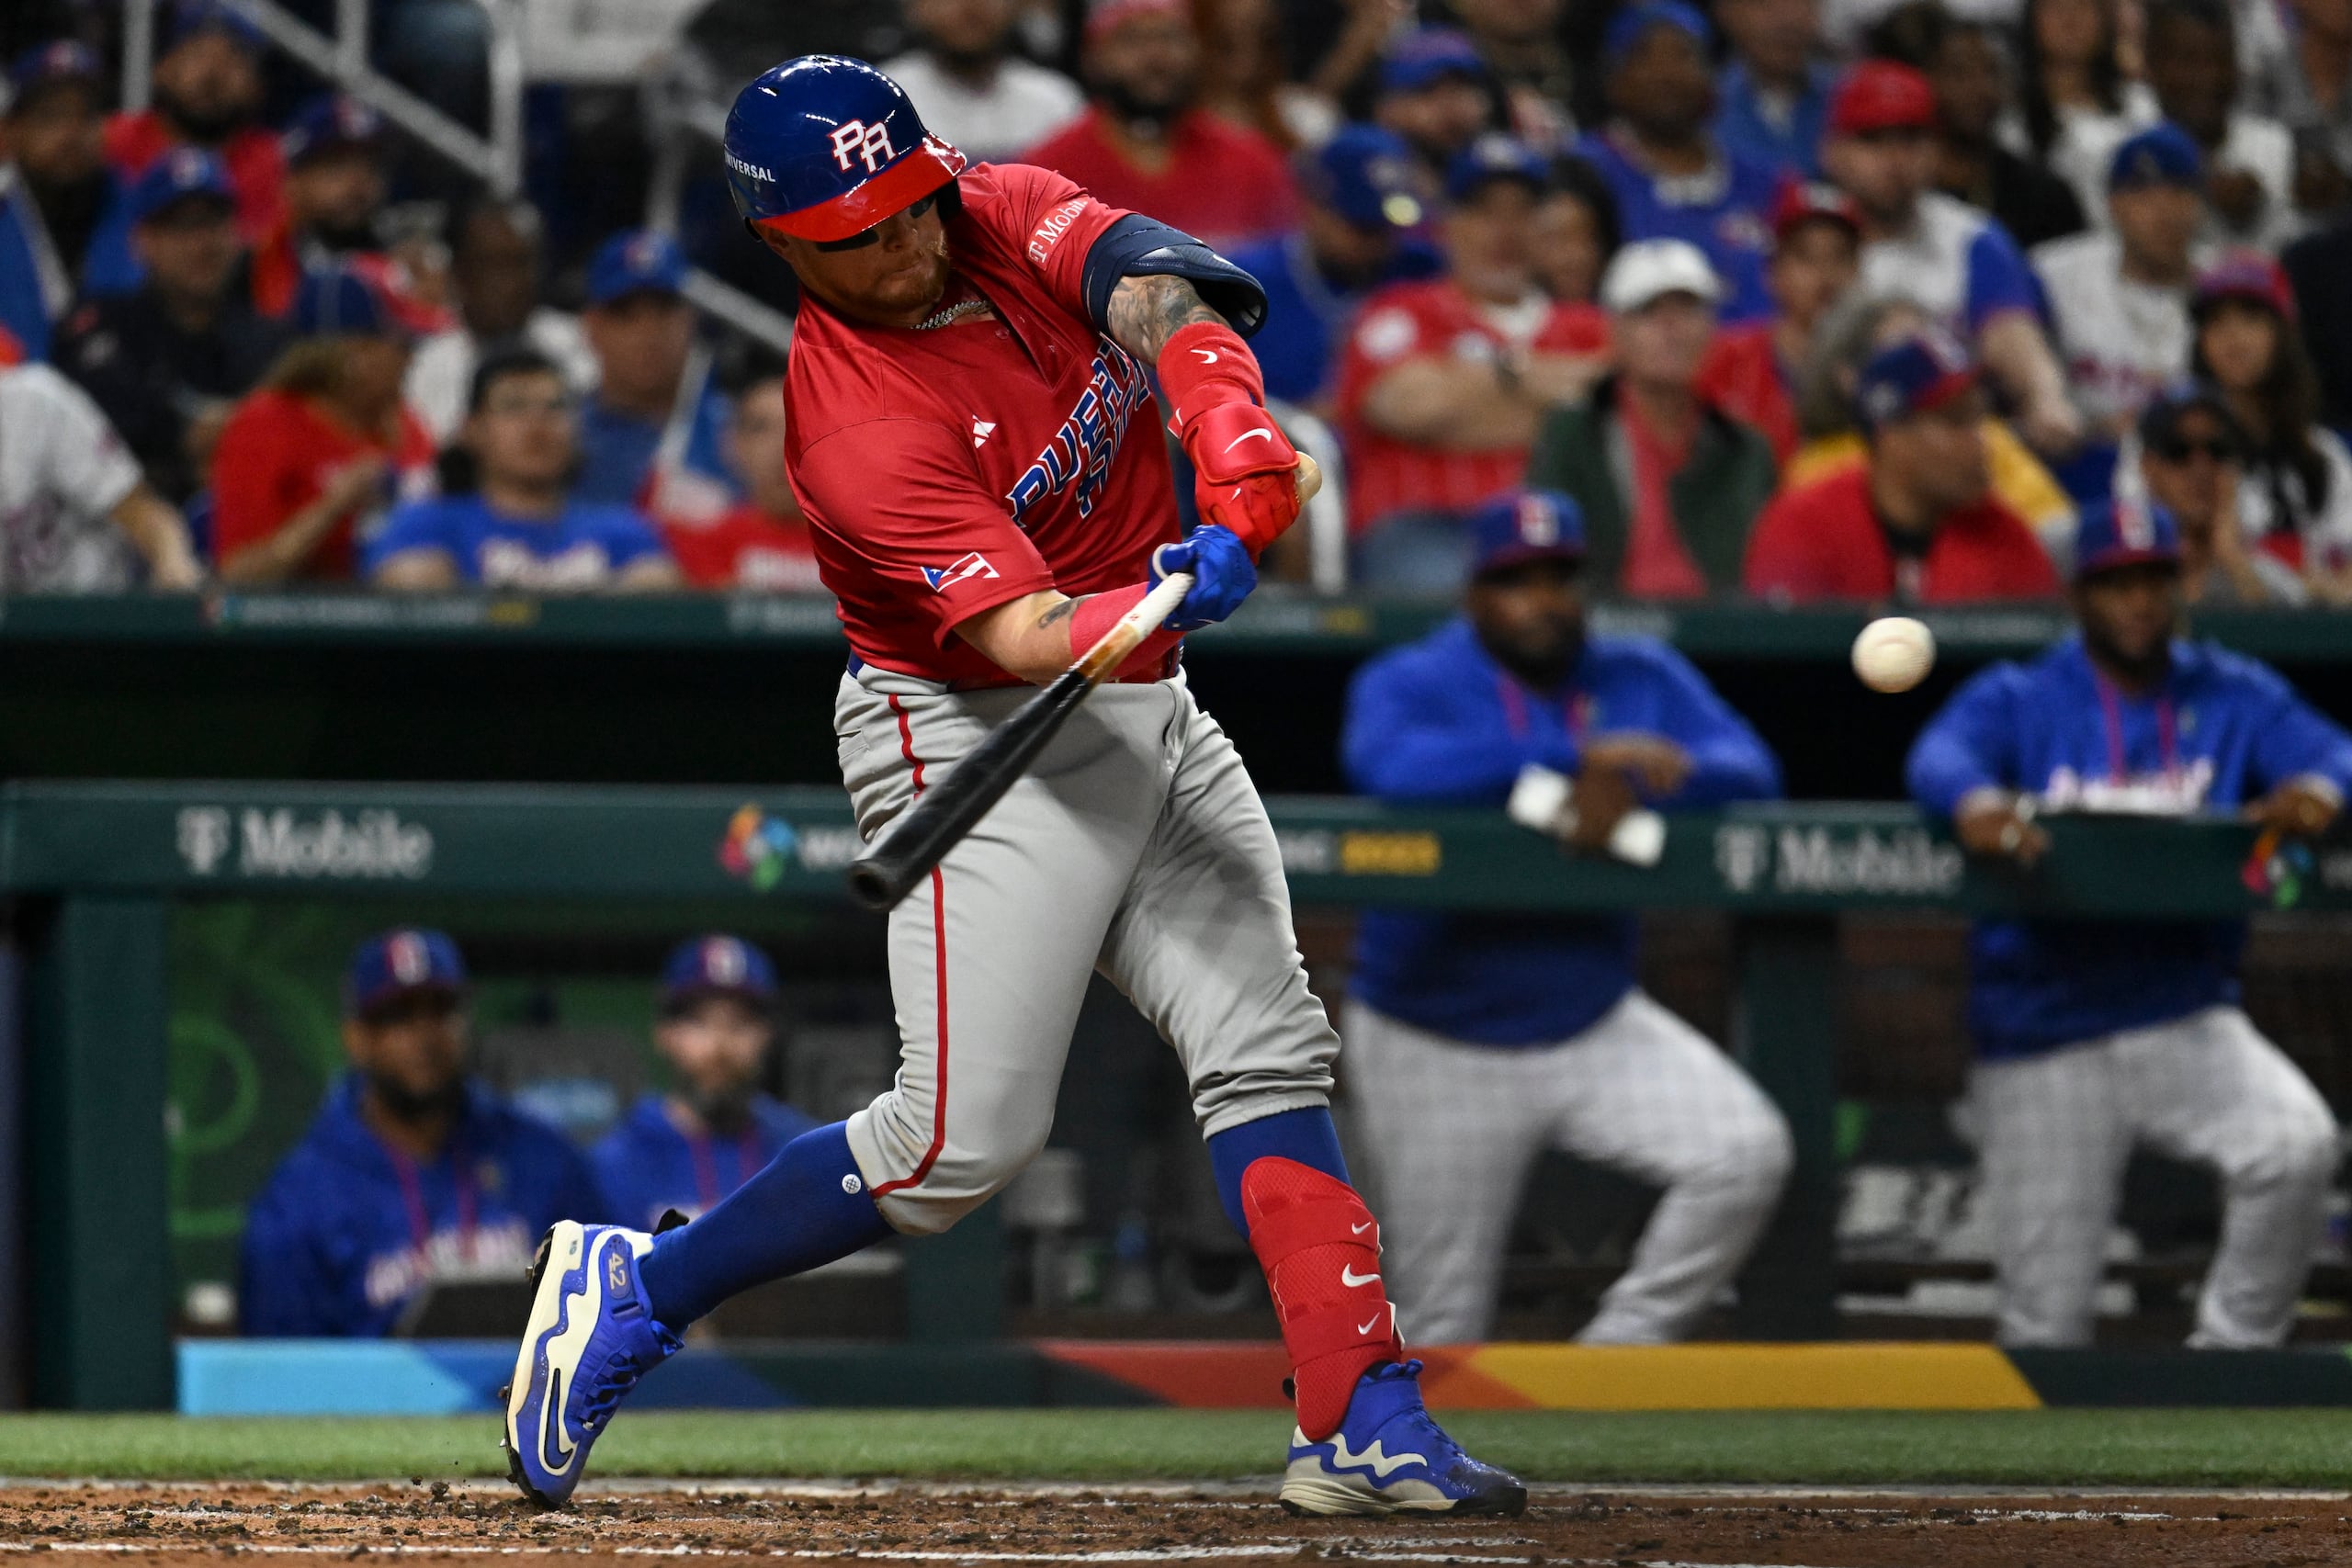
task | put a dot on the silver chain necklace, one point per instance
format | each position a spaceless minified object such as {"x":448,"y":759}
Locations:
{"x":949,"y":315}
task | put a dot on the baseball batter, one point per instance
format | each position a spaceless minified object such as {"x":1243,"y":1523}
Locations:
{"x":2094,"y":1036}
{"x":972,"y":436}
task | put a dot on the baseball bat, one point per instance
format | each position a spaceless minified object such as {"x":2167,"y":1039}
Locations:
{"x":891,"y":865}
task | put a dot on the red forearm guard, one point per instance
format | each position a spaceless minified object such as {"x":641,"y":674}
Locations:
{"x":1321,"y":1250}
{"x":1098,"y":612}
{"x":1205,"y":365}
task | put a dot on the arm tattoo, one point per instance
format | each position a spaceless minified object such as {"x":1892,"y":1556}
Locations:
{"x":1061,"y":612}
{"x":1146,"y":313}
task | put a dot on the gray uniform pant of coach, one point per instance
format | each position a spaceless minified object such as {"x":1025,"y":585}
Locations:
{"x":1137,"y":846}
{"x":1456,"y":1127}
{"x":2053,"y":1132}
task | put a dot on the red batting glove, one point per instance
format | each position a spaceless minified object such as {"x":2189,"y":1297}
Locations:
{"x":1247,"y":468}
{"x":1247,"y":472}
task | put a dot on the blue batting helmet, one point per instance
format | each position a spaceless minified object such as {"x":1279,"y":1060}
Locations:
{"x":824,"y":147}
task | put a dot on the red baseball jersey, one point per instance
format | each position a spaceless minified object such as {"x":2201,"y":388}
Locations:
{"x":948,"y":471}
{"x":743,"y":547}
{"x":1436,"y":321}
{"x":1825,"y":541}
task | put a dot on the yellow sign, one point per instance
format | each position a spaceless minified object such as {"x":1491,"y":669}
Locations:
{"x":1390,"y":855}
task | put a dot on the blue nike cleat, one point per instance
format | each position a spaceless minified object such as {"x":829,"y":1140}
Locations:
{"x":590,"y":1339}
{"x":1388,"y":1457}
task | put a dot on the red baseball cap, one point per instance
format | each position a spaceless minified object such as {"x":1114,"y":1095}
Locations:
{"x":1812,"y":202}
{"x":2246,"y":275}
{"x":1879,"y":95}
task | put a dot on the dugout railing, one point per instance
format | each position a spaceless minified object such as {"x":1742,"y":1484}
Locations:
{"x":91,"y":871}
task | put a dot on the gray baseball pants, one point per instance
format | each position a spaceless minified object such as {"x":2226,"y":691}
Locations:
{"x":2055,"y":1131}
{"x":1136,"y":846}
{"x":1455,"y":1128}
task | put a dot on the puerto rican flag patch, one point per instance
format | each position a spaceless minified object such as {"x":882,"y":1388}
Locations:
{"x":942,"y":578}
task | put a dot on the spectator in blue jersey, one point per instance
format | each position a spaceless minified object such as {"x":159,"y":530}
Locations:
{"x":1774,"y":92}
{"x":2095,"y":1036}
{"x":507,"y":518}
{"x":1919,"y":243}
{"x":1673,"y":177}
{"x":1436,"y":92}
{"x":64,"y":228}
{"x":652,"y":436}
{"x":713,"y":1129}
{"x":1365,"y":201}
{"x":413,"y":1175}
{"x":1476,"y":1041}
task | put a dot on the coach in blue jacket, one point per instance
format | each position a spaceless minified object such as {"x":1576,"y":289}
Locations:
{"x":413,"y":1174}
{"x":2093,"y":1036}
{"x":713,"y":1129}
{"x":1474,"y":1042}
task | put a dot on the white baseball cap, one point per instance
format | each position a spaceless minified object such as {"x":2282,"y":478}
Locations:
{"x":1647,"y":270}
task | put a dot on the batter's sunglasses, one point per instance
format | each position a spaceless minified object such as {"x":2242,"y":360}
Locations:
{"x":865,"y":237}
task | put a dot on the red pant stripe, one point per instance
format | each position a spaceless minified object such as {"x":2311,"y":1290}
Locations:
{"x":939,"y":960}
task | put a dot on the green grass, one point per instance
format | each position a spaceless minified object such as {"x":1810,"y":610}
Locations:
{"x":2039,"y":1448}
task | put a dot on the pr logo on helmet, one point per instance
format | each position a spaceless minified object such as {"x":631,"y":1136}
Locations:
{"x":869,"y":143}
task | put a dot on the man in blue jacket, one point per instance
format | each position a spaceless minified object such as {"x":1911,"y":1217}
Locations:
{"x":1474,"y":1042}
{"x":2093,"y":1036}
{"x":714,"y":1130}
{"x":413,"y":1175}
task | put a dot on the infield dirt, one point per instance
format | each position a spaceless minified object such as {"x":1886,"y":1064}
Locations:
{"x":164,"y":1524}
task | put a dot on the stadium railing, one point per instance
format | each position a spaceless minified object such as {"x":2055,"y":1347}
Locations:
{"x":91,"y":869}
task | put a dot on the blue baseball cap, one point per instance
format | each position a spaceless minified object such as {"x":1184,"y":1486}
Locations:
{"x":717,"y":965}
{"x":1427,"y":54}
{"x":48,"y":64}
{"x":1912,"y":375}
{"x":1369,"y":176}
{"x":393,"y":964}
{"x":640,"y":260}
{"x":2124,"y":532}
{"x":1521,"y":525}
{"x":182,"y":174}
{"x":337,"y":301}
{"x":1495,"y":156}
{"x":2161,"y":155}
{"x":329,"y":122}
{"x":1629,"y":26}
{"x":192,"y":19}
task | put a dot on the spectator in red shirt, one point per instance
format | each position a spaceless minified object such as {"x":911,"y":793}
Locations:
{"x":207,"y":90}
{"x":1142,"y":144}
{"x":1753,"y":370}
{"x":1918,"y":523}
{"x":761,"y":544}
{"x":322,"y":449}
{"x":334,"y":193}
{"x":1443,"y":383}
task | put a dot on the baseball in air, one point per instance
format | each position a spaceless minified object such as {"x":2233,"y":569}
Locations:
{"x":1893,"y":653}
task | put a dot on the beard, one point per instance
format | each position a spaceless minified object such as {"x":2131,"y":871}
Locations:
{"x":205,"y":127}
{"x":724,"y":1110}
{"x":1145,"y":112}
{"x":406,"y":1104}
{"x":1540,"y":665}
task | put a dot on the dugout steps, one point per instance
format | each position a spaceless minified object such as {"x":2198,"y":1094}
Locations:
{"x":323,"y":1377}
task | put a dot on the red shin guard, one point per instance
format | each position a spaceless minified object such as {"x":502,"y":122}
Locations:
{"x":1321,"y":1253}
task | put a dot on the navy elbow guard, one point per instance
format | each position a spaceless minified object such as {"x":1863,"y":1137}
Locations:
{"x":1136,"y":247}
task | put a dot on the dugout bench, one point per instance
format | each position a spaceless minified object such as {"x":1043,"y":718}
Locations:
{"x":91,"y":868}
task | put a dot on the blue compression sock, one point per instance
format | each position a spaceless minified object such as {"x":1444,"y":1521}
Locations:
{"x":1306,"y":1135}
{"x":807,"y":1208}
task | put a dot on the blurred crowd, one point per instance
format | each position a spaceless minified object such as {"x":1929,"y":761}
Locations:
{"x":1626,"y":249}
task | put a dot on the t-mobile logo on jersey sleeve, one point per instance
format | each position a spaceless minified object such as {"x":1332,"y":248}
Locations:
{"x":942,"y":578}
{"x":1089,"y":439}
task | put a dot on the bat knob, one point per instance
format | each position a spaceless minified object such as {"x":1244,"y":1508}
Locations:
{"x":872,"y":887}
